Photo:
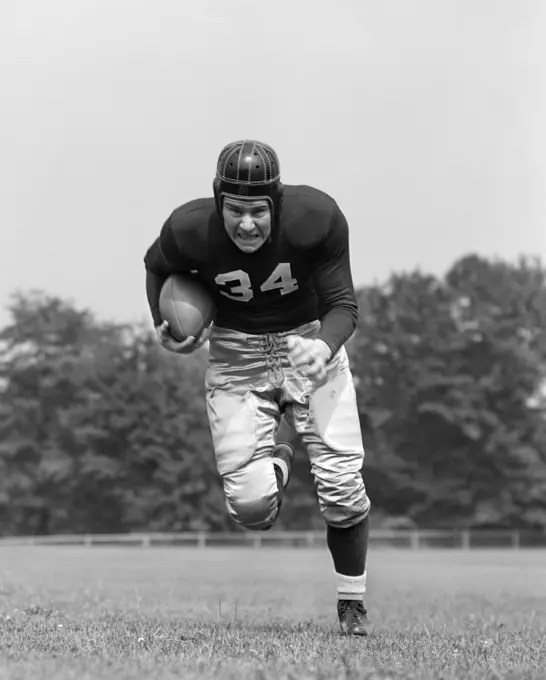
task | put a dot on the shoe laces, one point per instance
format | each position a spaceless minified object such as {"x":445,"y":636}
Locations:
{"x":351,"y":609}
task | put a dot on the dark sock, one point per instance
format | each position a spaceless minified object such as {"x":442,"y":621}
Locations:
{"x":349,"y":547}
{"x":280,"y":484}
{"x":280,"y":493}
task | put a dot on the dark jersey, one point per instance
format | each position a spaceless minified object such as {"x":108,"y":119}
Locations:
{"x":301,"y":274}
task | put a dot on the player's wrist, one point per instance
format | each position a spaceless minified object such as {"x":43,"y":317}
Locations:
{"x":324,"y":350}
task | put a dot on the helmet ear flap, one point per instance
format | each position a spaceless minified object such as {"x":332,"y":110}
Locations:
{"x":217,"y":197}
{"x":279,"y":201}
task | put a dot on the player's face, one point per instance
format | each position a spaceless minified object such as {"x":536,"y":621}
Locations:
{"x":248,"y":223}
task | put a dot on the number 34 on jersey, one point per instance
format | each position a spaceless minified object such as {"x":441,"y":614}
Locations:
{"x":237,"y":284}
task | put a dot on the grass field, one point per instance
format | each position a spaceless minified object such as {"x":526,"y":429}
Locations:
{"x":270,"y":613}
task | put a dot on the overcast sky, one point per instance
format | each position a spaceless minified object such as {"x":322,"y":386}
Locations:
{"x":425,"y":119}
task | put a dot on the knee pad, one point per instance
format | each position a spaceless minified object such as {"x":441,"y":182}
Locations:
{"x":251,"y":494}
{"x":253,"y":513}
{"x":348,"y":511}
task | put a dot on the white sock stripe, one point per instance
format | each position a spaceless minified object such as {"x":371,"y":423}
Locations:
{"x":284,"y":469}
{"x":351,"y":585}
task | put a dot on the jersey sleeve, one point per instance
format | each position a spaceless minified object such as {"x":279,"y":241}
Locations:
{"x":163,"y":258}
{"x":332,"y":276}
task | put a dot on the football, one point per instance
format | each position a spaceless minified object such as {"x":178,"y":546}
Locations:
{"x":187,"y":305}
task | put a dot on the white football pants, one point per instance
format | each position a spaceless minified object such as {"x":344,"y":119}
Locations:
{"x":249,"y":383}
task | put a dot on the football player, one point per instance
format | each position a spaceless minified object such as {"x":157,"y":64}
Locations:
{"x":277,"y":260}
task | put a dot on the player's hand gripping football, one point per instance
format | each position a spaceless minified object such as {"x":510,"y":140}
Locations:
{"x":187,"y":346}
{"x":309,"y":356}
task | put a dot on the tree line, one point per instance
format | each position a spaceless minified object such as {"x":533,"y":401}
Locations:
{"x":103,"y":431}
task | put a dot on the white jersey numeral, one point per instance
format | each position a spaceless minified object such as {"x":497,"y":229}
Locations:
{"x":240,"y":288}
{"x":238,"y":283}
{"x":282,"y":279}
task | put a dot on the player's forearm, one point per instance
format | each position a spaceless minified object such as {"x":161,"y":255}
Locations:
{"x":158,"y":269}
{"x":154,"y":283}
{"x":337,"y":326}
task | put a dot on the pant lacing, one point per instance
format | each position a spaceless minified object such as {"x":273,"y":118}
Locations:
{"x":272,"y":346}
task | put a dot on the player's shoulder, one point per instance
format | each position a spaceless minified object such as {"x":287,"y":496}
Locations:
{"x":191,"y":226}
{"x":302,"y":198}
{"x":308,"y":214}
{"x":192,"y":217}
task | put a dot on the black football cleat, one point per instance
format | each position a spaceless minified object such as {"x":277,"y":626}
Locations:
{"x":353,"y":618}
